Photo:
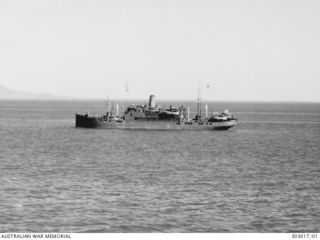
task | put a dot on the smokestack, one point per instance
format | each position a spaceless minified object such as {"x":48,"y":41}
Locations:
{"x":152,"y":101}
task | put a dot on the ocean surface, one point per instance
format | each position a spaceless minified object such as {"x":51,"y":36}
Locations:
{"x":261,"y":176}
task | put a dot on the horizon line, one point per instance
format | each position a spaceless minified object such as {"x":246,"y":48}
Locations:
{"x":75,"y":99}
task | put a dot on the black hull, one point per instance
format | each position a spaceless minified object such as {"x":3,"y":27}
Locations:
{"x":85,"y":121}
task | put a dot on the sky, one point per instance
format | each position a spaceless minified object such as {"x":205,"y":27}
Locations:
{"x":235,"y":50}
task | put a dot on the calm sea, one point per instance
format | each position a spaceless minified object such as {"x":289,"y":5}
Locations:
{"x":261,"y":176}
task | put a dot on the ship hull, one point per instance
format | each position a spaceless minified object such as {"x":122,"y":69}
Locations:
{"x":95,"y":122}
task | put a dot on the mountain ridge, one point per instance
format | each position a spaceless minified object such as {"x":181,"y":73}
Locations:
{"x":9,"y":94}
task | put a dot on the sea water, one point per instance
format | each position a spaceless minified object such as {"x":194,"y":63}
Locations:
{"x":261,"y":176}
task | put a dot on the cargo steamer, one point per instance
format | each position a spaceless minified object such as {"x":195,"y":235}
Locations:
{"x":153,"y":117}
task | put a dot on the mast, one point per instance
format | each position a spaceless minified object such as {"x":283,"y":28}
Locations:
{"x":117,"y":110}
{"x":199,"y":110}
{"x":206,"y":110}
{"x":108,"y":108}
{"x":188,"y":114}
{"x":112,"y":108}
{"x":199,"y":102}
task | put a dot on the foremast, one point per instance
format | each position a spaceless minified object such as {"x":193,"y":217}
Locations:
{"x":199,"y":114}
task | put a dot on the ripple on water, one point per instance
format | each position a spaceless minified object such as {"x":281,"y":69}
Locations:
{"x":262,"y":176}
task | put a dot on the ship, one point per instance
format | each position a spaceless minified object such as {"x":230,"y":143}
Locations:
{"x":152,"y":116}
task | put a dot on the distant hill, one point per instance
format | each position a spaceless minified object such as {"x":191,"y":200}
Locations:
{"x":6,"y":93}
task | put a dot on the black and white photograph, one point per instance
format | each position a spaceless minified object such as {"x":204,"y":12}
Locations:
{"x":159,"y":116}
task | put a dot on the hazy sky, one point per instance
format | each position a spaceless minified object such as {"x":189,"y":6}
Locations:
{"x":245,"y":50}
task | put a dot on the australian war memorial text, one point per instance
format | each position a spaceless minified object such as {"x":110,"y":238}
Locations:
{"x":35,"y":236}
